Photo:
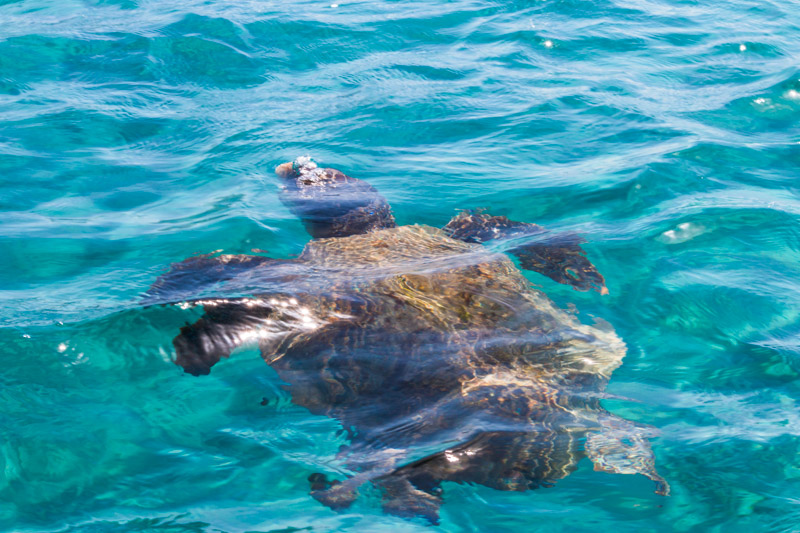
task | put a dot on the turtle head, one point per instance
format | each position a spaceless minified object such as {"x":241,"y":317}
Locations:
{"x":330,"y":203}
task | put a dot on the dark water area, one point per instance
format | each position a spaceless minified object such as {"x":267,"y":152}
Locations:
{"x":135,"y":134}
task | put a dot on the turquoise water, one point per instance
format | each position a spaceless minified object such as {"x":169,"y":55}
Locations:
{"x":135,"y":133}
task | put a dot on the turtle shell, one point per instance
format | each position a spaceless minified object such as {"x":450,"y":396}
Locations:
{"x":412,"y":322}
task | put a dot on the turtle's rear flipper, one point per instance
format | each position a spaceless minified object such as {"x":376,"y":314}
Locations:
{"x":226,"y":325}
{"x":401,"y":498}
{"x":621,"y":447}
{"x":332,"y":494}
{"x":557,"y":256}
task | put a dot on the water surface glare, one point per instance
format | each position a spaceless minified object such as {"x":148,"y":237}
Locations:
{"x":136,"y":133}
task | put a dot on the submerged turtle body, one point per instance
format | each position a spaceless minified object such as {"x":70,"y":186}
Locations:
{"x":413,"y":309}
{"x":416,"y":338}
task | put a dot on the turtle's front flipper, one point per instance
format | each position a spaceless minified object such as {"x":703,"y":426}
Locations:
{"x":557,"y":256}
{"x":190,"y":277}
{"x":226,"y":325}
{"x":228,"y":322}
{"x":621,"y":447}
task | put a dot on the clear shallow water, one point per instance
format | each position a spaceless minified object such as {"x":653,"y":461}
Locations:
{"x":134,"y":134}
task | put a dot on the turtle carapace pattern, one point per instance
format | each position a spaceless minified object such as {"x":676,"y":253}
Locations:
{"x":433,"y":351}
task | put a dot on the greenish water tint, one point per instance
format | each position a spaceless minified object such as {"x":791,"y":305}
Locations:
{"x":134,"y":133}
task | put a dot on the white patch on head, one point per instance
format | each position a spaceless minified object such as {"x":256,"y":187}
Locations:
{"x":304,"y":165}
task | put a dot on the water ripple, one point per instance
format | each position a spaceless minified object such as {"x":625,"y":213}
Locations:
{"x":135,"y":133}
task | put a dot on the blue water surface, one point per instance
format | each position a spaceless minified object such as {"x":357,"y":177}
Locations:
{"x":135,"y":133}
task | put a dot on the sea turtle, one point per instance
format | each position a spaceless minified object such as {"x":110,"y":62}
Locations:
{"x":436,"y":355}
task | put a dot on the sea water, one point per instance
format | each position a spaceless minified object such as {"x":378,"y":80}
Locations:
{"x":135,"y":133}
